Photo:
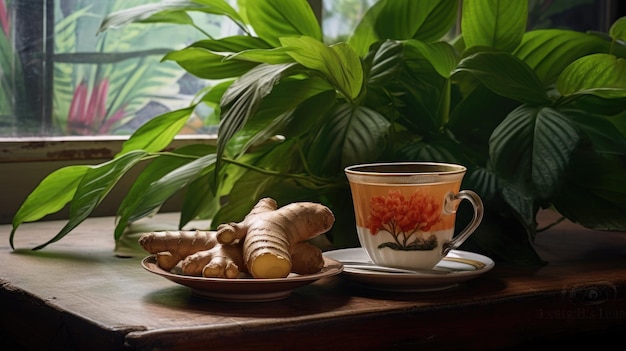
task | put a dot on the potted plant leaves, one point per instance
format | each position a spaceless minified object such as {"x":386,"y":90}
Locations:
{"x":537,"y":117}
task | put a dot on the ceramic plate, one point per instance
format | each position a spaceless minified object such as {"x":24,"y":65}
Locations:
{"x":245,"y":288}
{"x":462,"y":266}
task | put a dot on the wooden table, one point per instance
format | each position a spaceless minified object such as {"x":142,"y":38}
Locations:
{"x":76,"y":294}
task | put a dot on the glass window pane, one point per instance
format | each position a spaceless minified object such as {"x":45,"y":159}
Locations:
{"x":61,"y":77}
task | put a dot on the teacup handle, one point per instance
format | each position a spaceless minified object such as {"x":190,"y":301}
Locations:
{"x":449,"y":207}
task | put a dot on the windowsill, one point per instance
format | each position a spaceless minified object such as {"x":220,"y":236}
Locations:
{"x":24,"y":162}
{"x":76,"y":148}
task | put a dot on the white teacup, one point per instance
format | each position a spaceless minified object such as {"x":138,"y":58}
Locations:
{"x":406,"y":211}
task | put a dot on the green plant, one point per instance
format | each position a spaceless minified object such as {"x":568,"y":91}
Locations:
{"x":537,"y":117}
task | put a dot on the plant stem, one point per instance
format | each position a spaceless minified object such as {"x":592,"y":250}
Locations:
{"x":302,"y":158}
{"x":166,"y":153}
{"x":564,"y":100}
{"x":319,"y":182}
{"x":202,"y":31}
{"x":322,"y":182}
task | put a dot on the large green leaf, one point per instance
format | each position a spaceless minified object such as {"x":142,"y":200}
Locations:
{"x":364,"y":34}
{"x":421,"y":96}
{"x":522,"y":202}
{"x":212,"y":95}
{"x":603,"y":75}
{"x":498,"y":24}
{"x":167,"y":12}
{"x":506,"y":75}
{"x":499,"y":195}
{"x":240,"y":47}
{"x":440,"y":149}
{"x":383,"y":63}
{"x":162,"y":189}
{"x":618,"y":29}
{"x":274,"y":19}
{"x":549,"y":51}
{"x":272,"y":56}
{"x":205,"y":64}
{"x":309,"y":113}
{"x":487,"y":111}
{"x":339,"y":63}
{"x":595,"y":105}
{"x":232,"y":44}
{"x":246,"y":193}
{"x":593,"y":193}
{"x":50,"y":196}
{"x":285,"y":111}
{"x":510,"y":144}
{"x":604,"y":135}
{"x":199,"y":202}
{"x":508,"y":211}
{"x":486,"y":184}
{"x":155,"y":170}
{"x":441,"y":55}
{"x":93,"y":188}
{"x":555,"y":139}
{"x":272,"y":167}
{"x":219,"y":7}
{"x":424,"y":20}
{"x":437,"y":20}
{"x":620,"y":122}
{"x":533,"y":144}
{"x":354,"y":134}
{"x":172,"y":11}
{"x":157,"y":133}
{"x":364,"y":132}
{"x":243,"y":98}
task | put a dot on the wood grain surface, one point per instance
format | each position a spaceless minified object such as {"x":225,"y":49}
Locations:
{"x":78,"y":294}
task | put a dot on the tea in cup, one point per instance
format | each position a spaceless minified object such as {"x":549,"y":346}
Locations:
{"x":406,"y":211}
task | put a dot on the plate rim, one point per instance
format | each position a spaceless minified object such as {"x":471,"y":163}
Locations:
{"x":331,"y":267}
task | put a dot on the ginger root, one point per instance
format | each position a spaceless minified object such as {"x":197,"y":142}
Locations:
{"x":268,"y":243}
{"x":221,"y":261}
{"x":274,"y":240}
{"x":199,"y":251}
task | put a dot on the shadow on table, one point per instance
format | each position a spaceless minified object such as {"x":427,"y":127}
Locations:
{"x":316,"y":298}
{"x":465,"y":291}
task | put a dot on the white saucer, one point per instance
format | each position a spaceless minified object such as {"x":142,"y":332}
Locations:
{"x":402,"y":282}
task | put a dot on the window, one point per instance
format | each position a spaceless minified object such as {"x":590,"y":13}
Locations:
{"x":68,"y":95}
{"x":63,"y":78}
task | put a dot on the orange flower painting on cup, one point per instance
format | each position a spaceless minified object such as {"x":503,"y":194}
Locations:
{"x":406,"y":219}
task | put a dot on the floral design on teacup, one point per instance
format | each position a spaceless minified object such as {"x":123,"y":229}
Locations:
{"x":406,"y":220}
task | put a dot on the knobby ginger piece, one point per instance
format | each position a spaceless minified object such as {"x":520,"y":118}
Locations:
{"x":273,"y":237}
{"x":200,"y":252}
